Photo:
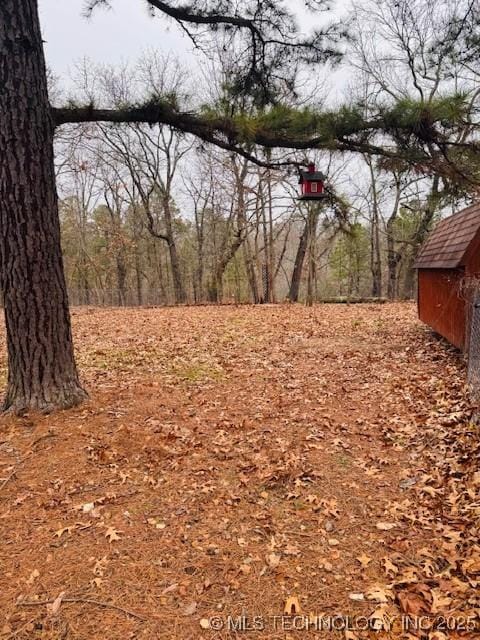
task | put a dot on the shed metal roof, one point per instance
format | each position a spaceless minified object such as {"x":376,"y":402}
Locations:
{"x":447,"y":244}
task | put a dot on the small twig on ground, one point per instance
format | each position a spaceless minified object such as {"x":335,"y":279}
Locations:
{"x":15,"y":633}
{"x":8,"y":478}
{"x":305,"y":534}
{"x":15,"y":469}
{"x":49,"y":434}
{"x":98,"y":603}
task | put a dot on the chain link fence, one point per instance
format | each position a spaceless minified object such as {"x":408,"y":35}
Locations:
{"x":473,"y":337}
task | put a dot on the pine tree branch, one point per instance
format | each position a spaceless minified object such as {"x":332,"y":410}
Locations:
{"x":227,"y":134}
{"x":183,"y":14}
{"x":422,"y":137}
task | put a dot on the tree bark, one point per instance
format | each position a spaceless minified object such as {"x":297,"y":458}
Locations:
{"x":298,"y":266}
{"x":250,"y":270}
{"x":309,"y":229}
{"x":199,"y":228}
{"x":42,"y":372}
{"x":375,"y":256}
{"x":428,"y":213}
{"x":270,"y":243}
{"x":121,"y":278}
{"x":393,"y":258}
{"x":228,"y":252}
{"x":178,"y":286}
{"x":138,"y":266}
{"x":138,"y":278}
{"x":84,"y":283}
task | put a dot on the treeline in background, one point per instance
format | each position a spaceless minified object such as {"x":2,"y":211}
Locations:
{"x":153,"y":216}
{"x":153,"y":220}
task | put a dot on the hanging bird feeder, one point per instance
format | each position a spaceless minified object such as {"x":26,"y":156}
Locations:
{"x":312,"y":184}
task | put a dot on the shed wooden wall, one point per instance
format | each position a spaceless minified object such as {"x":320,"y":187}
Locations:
{"x":440,"y":304}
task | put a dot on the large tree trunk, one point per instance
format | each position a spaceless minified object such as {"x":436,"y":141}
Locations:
{"x":42,"y":372}
{"x":179,"y":289}
{"x":138,"y":278}
{"x":199,"y":293}
{"x":138,"y":264}
{"x":298,"y":266}
{"x":375,"y":256}
{"x":239,"y":236}
{"x":428,"y":213}
{"x":121,"y":278}
{"x":163,"y":298}
{"x":309,"y":229}
{"x":311,"y":278}
{"x":250,"y":269}
{"x":82,"y":282}
{"x":376,"y":261}
{"x":178,"y":286}
{"x":393,"y":258}
{"x":270,"y":244}
{"x":392,"y":262}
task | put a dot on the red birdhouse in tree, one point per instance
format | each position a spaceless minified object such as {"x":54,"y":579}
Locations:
{"x":312,"y":184}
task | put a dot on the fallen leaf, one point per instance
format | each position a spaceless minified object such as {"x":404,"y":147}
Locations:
{"x":54,"y":607}
{"x":156,"y":523}
{"x":380,"y":594}
{"x":292,"y":606}
{"x":385,"y":526}
{"x":325,"y":564}
{"x":60,"y":532}
{"x":33,"y":576}
{"x":416,"y":599}
{"x":190,"y":609}
{"x":380,"y":619}
{"x":364,"y":560}
{"x":112,"y":534}
{"x":169,"y":589}
{"x":390,"y":569}
{"x":357,"y":597}
{"x":406,"y":483}
{"x":273,"y":560}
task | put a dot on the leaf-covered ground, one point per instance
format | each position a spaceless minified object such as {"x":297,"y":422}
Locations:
{"x":250,"y":460}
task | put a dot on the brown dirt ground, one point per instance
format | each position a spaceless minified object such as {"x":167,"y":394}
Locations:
{"x":229,"y":457}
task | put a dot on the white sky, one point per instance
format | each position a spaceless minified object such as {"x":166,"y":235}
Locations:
{"x":124,"y":33}
{"x":108,"y":37}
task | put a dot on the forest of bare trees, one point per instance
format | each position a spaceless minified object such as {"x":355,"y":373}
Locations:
{"x":147,"y":218}
{"x":150,"y":215}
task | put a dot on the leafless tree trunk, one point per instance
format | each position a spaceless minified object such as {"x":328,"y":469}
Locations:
{"x":311,"y":262}
{"x":375,"y":255}
{"x":393,"y":256}
{"x":428,"y":212}
{"x":309,"y":228}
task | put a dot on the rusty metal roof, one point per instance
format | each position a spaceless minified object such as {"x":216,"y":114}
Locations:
{"x":447,"y":244}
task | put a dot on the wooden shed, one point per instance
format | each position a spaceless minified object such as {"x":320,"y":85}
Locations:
{"x":448,"y":265}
